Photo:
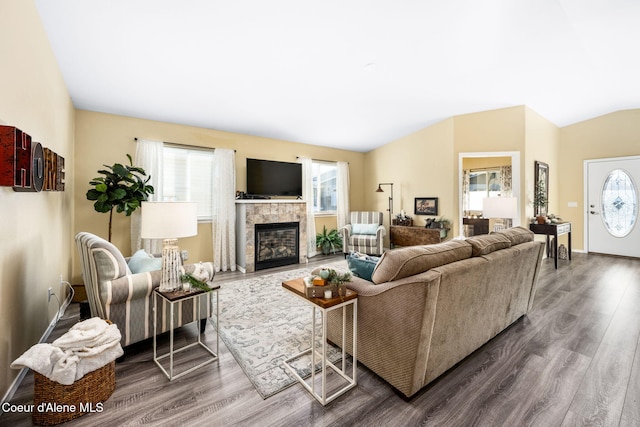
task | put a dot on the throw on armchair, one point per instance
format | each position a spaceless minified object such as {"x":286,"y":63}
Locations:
{"x":125,"y":298}
{"x":364,"y":234}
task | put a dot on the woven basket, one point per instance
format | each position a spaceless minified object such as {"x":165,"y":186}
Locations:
{"x":62,"y":403}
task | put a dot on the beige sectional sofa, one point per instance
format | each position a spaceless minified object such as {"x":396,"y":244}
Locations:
{"x":428,"y":307}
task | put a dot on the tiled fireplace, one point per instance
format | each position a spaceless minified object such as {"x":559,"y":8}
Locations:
{"x":275,"y":222}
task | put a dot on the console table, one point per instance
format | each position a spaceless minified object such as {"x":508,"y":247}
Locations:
{"x":401,"y":235}
{"x":479,"y":225}
{"x":554,"y":230}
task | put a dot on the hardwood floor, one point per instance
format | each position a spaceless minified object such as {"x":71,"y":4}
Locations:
{"x":573,"y":361}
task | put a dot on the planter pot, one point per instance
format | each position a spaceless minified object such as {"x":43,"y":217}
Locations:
{"x":541,"y":219}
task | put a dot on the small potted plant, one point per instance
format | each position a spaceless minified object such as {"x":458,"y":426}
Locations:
{"x":540,"y":202}
{"x":328,"y":241}
{"x":336,"y":280}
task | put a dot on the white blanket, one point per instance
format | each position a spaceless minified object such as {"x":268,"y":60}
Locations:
{"x":87,"y":346}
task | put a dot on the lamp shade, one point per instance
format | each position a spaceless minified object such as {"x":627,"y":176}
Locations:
{"x":168,"y":220}
{"x":499,"y":207}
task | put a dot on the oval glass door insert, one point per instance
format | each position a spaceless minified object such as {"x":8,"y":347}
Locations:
{"x":619,"y":203}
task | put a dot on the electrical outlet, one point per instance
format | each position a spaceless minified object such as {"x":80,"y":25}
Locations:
{"x":49,"y":293}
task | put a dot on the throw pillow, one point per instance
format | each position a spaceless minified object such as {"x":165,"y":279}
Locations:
{"x":517,"y":235}
{"x":362,"y":266}
{"x":486,"y":243}
{"x":141,"y":262}
{"x":410,"y":260}
{"x":364,"y":228}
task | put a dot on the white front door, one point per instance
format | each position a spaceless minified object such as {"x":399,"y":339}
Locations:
{"x":613,"y":187}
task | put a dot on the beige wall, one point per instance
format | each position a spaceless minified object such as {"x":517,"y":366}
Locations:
{"x":106,"y":139}
{"x":612,"y":135}
{"x":493,"y":131}
{"x":485,"y":162}
{"x":425,"y":163}
{"x":418,"y":165}
{"x":35,"y":228}
{"x":542,"y":141}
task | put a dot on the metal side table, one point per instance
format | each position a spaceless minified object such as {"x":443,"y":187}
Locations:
{"x":172,"y":298}
{"x":297,"y":287}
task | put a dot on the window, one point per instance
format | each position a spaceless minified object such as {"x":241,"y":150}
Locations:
{"x":619,"y":203}
{"x":324,"y":187}
{"x":187,"y":177}
{"x":483,"y":183}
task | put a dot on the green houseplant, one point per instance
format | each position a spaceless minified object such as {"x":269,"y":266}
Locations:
{"x":328,"y":241}
{"x":540,"y":201}
{"x":123,"y":187}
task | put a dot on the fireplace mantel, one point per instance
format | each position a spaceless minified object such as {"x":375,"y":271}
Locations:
{"x":250,"y":212}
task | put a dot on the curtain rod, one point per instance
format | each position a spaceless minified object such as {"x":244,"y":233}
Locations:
{"x":327,"y":161}
{"x":175,"y":144}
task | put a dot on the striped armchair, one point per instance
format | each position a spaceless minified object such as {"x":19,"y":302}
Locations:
{"x":126,"y":299}
{"x":365,"y":233}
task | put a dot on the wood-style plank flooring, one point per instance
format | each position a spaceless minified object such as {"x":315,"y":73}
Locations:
{"x":573,"y":361}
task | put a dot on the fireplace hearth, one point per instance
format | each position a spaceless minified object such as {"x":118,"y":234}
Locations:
{"x":276,"y":244}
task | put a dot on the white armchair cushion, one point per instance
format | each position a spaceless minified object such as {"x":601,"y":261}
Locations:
{"x":364,"y":229}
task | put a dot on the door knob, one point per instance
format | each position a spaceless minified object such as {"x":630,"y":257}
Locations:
{"x":593,"y":213}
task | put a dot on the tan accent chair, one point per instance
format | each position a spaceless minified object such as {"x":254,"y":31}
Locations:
{"x":364,"y":234}
{"x":125,"y":298}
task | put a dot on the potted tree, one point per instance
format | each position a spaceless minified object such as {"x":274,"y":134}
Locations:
{"x":540,"y":202}
{"x":328,"y":241}
{"x":123,"y":187}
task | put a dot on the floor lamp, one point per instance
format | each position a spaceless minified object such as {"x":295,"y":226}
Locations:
{"x":169,"y":221}
{"x":380,"y":190}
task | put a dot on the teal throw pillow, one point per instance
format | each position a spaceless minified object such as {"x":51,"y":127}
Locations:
{"x":142,"y":262}
{"x":364,"y":228}
{"x":362,"y":266}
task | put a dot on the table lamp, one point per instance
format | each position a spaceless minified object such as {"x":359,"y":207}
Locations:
{"x":169,"y":221}
{"x":499,"y":208}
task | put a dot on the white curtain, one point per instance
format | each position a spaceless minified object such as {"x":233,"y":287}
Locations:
{"x":307,"y":196}
{"x":505,"y":181}
{"x":466,"y":175}
{"x":148,"y":157}
{"x":342,"y":189}
{"x":223,"y":224}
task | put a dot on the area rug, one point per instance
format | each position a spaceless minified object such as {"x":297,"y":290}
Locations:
{"x":262,"y":325}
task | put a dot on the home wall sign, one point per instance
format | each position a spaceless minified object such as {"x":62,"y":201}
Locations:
{"x":26,"y":165}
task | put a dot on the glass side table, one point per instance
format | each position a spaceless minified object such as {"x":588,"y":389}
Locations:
{"x":180,"y":296}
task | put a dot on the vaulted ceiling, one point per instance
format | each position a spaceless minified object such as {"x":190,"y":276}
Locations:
{"x":352,"y":74}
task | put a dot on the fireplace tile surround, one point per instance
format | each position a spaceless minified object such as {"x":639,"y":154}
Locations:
{"x":252,"y":212}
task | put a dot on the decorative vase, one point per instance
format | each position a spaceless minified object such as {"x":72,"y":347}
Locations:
{"x":541,"y":219}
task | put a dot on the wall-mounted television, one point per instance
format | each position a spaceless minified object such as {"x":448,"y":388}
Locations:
{"x":271,"y":178}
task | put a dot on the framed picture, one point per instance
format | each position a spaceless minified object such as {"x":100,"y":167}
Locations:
{"x":541,"y":188}
{"x":426,"y":206}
